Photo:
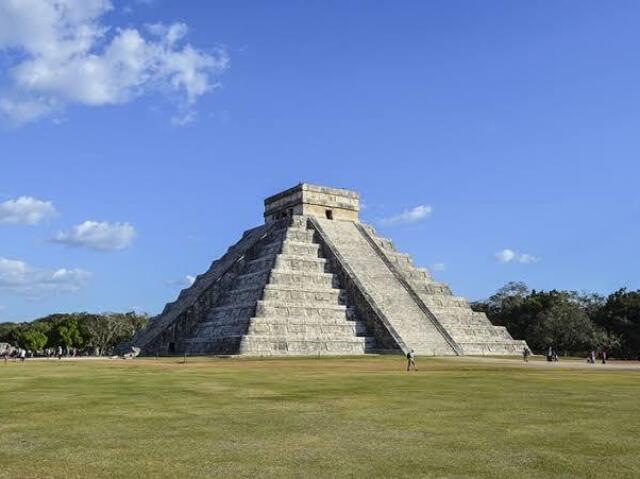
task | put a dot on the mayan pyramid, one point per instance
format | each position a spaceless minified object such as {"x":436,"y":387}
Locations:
{"x":313,"y":280}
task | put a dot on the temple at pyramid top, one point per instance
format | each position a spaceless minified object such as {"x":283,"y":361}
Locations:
{"x":312,"y":200}
{"x":311,"y":280}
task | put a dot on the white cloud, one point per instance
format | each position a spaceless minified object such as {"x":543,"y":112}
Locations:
{"x":62,"y":52}
{"x":185,"y":282}
{"x":438,"y":267}
{"x":103,"y":236}
{"x":505,"y":256}
{"x":527,"y":258}
{"x":508,"y":255}
{"x":18,"y":277}
{"x":25,"y":210}
{"x":408,"y":216}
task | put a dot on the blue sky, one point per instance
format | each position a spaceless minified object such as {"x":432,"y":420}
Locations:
{"x":139,"y":139}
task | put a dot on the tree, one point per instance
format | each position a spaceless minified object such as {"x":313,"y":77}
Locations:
{"x":67,"y":333}
{"x":32,"y":339}
{"x":104,"y":332}
{"x":620,"y":316}
{"x":560,"y":319}
{"x":566,"y":326}
{"x":9,"y":332}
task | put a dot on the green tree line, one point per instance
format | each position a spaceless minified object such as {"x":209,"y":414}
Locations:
{"x":95,"y":334}
{"x":572,"y":323}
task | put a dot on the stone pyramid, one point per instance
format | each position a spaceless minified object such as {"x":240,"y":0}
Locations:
{"x":313,"y":280}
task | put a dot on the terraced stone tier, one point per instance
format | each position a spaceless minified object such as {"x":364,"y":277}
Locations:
{"x":302,"y":264}
{"x":274,"y":346}
{"x":310,"y":331}
{"x":302,"y":280}
{"x":302,"y":310}
{"x":293,"y":294}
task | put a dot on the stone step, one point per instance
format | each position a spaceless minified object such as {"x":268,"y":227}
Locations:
{"x":302,"y":280}
{"x":297,"y":248}
{"x":263,"y":263}
{"x":480,"y":337}
{"x":269,"y":309}
{"x":223,"y":327}
{"x":486,"y":348}
{"x":345,"y":330}
{"x":275,"y":346}
{"x":241,"y":295}
{"x":226,"y":326}
{"x":300,"y":263}
{"x":311,"y":320}
{"x":229,"y":344}
{"x":299,"y":234}
{"x":428,"y":287}
{"x":250,"y":280}
{"x":442,"y":302}
{"x":272,"y":248}
{"x":419,"y":276}
{"x":402,"y":260}
{"x":232,"y":312}
{"x":294,"y":294}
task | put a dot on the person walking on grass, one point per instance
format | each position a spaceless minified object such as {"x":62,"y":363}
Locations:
{"x":411,"y":362}
{"x":525,"y":354}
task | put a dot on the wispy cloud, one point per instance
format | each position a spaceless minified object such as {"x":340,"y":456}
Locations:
{"x":438,"y":267}
{"x":63,"y":52}
{"x":25,"y":210}
{"x":412,"y":215}
{"x":19,"y":277}
{"x":103,"y":236}
{"x":185,"y":282}
{"x":508,"y":256}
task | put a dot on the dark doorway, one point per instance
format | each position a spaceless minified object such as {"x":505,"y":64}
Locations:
{"x":172,"y":348}
{"x":328,"y":214}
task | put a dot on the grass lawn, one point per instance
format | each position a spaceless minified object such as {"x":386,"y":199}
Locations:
{"x":354,"y":417}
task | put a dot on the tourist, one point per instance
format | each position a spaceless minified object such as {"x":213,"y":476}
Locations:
{"x":525,"y":354}
{"x":23,"y":354}
{"x":604,"y":356}
{"x":592,"y":357}
{"x":411,"y":362}
{"x":550,"y":354}
{"x":59,"y":352}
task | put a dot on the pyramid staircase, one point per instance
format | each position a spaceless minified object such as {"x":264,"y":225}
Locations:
{"x":471,"y":330}
{"x":284,"y":300}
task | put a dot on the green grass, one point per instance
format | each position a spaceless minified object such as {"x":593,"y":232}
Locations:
{"x":310,"y":418}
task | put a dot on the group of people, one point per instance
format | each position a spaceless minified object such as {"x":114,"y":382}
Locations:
{"x":552,"y":355}
{"x":21,"y":353}
{"x":16,"y":354}
{"x":603,"y":357}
